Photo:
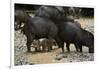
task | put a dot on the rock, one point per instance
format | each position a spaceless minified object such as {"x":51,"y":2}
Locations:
{"x":59,"y":56}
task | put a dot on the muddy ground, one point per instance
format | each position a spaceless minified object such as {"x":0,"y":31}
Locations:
{"x":21,"y":57}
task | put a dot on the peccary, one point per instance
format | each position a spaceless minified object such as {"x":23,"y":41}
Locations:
{"x":72,"y":33}
{"x":54,"y":13}
{"x":75,"y":12}
{"x":20,"y":17}
{"x":37,"y":27}
{"x":47,"y":44}
{"x":36,"y":44}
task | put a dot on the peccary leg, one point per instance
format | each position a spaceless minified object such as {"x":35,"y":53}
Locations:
{"x":28,"y":45}
{"x":77,"y":47}
{"x":29,"y":41}
{"x":39,"y":45}
{"x":80,"y":46}
{"x":60,"y":44}
{"x":91,"y":50}
{"x":36,"y":49}
{"x":39,"y":49}
{"x":67,"y":46}
{"x":50,"y":43}
{"x":57,"y":41}
{"x":51,"y":47}
{"x":43,"y":48}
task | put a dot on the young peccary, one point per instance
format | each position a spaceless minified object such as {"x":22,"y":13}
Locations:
{"x":36,"y":45}
{"x":47,"y":44}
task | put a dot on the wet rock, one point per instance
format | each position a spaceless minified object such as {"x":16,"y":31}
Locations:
{"x":59,"y":57}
